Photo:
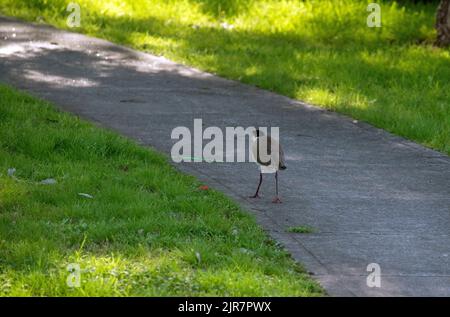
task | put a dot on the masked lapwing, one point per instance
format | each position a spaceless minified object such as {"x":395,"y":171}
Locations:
{"x":269,"y":156}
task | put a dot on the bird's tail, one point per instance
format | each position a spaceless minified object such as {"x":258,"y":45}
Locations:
{"x":281,"y":164}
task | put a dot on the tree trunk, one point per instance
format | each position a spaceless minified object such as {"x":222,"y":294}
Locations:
{"x":443,"y":24}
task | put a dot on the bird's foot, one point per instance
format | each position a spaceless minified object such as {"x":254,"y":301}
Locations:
{"x":254,"y":196}
{"x":276,"y":200}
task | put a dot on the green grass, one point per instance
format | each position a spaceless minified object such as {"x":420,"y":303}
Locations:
{"x":318,"y":51}
{"x":300,"y":229}
{"x":148,"y":230}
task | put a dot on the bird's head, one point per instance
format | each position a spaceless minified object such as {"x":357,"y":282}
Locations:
{"x":257,"y":133}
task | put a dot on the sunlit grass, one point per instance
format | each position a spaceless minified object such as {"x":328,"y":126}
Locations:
{"x":146,"y":230}
{"x":300,"y":229}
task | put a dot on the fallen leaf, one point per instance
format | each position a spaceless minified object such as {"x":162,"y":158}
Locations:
{"x":199,"y":258}
{"x":48,"y":181}
{"x":86,"y":195}
{"x":11,"y":171}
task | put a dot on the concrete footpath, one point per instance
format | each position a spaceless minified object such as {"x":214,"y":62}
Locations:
{"x":372,"y":197}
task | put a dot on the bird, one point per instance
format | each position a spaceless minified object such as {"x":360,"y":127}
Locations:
{"x":269,"y":156}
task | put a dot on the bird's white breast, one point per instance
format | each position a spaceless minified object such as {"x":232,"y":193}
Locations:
{"x":274,"y":155}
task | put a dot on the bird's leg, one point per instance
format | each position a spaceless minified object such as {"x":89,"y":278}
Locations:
{"x":277,"y":199}
{"x":259,"y":185}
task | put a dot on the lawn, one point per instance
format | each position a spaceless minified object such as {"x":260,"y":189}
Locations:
{"x":321,"y":52}
{"x":135,"y":226}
